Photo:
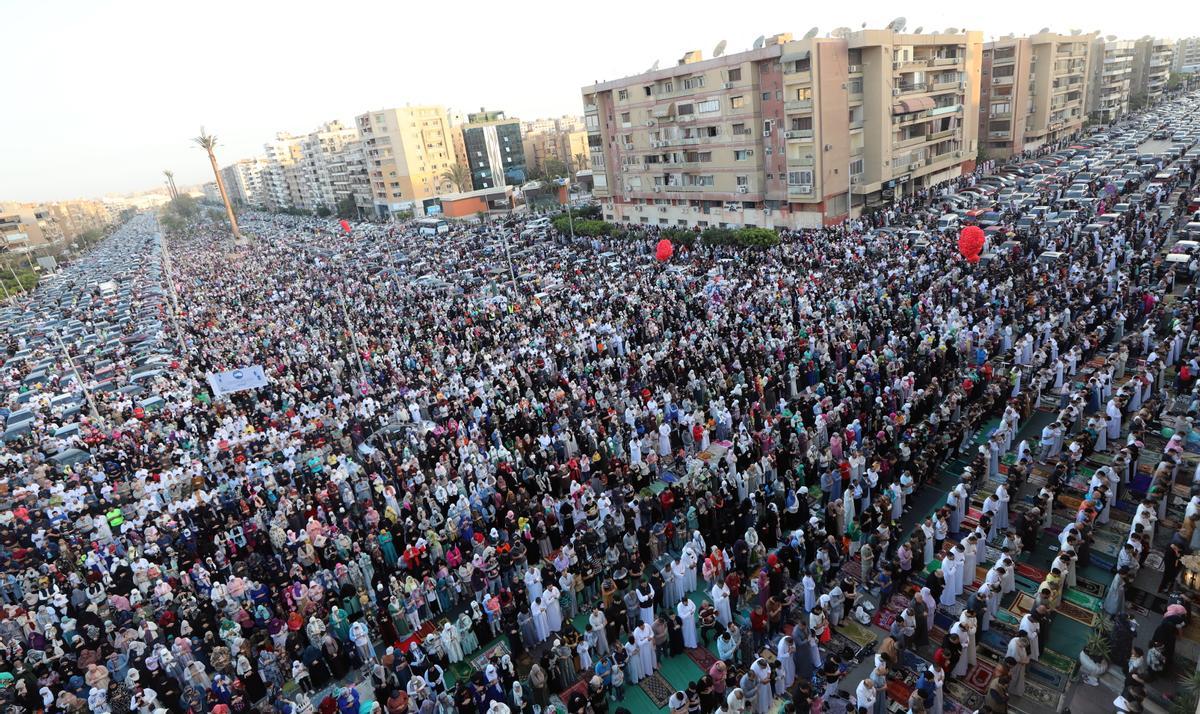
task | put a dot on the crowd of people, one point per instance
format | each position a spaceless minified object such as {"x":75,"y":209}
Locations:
{"x":464,"y":495}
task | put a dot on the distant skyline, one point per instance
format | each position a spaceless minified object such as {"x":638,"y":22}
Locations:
{"x":103,"y":95}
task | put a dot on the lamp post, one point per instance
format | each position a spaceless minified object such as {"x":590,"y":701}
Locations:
{"x":87,"y":393}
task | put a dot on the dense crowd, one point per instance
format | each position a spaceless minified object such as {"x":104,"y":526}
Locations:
{"x":443,"y":459}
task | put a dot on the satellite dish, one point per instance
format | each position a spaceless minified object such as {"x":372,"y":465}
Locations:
{"x":1043,"y":31}
{"x":759,"y":42}
{"x":950,"y":31}
{"x":840,"y":32}
{"x":811,"y":34}
{"x":653,"y":67}
{"x":1076,"y":32}
{"x":1111,"y":38}
{"x":864,"y":26}
{"x":897,"y":25}
{"x":720,"y":49}
{"x":918,"y":30}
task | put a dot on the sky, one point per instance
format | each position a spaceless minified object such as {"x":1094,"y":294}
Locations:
{"x":103,"y":95}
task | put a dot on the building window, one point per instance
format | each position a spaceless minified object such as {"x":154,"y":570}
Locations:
{"x":737,"y":102}
{"x":800,"y":178}
{"x":1005,"y":108}
{"x":625,"y":120}
{"x":696,"y":82}
{"x":766,"y":96}
{"x":742,"y":154}
{"x":803,"y":94}
{"x":856,"y":167}
{"x":743,"y":180}
{"x":622,"y":95}
{"x":708,"y":106}
{"x":801,"y":123}
{"x":803,"y":65}
{"x":667,"y":88}
{"x":649,"y":91}
{"x":740,"y":130}
{"x":684,"y":109}
{"x":735,"y":74}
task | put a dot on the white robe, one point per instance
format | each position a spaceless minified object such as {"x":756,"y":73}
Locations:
{"x":720,"y":598}
{"x":687,"y":616}
{"x":643,"y":636}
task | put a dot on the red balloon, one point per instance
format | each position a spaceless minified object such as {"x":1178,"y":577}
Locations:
{"x":664,"y":251}
{"x":345,"y":225}
{"x":970,"y":243}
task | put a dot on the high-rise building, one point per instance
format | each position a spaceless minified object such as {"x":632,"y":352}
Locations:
{"x":319,"y":150}
{"x":1151,"y":69}
{"x":349,"y":178}
{"x":1033,"y":91}
{"x":28,"y":227}
{"x":407,"y":152}
{"x":279,"y":180}
{"x":563,"y":139}
{"x":784,"y":134}
{"x":1187,"y":56}
{"x":74,"y":218}
{"x":495,"y":154}
{"x":244,"y":182}
{"x":1110,"y":63}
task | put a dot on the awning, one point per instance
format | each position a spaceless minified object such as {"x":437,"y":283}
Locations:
{"x":916,"y":104}
{"x":798,"y":56}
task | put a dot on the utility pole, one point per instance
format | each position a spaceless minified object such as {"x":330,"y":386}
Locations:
{"x":166,"y":255}
{"x":353,"y":337}
{"x":87,"y":394}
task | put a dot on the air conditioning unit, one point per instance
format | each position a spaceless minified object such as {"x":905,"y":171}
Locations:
{"x":805,"y":188}
{"x":914,"y":167}
{"x":958,"y":154}
{"x":662,"y":209}
{"x":766,"y":133}
{"x":624,"y":168}
{"x":650,"y":122}
{"x":629,"y":147}
{"x":766,"y":211}
{"x":855,"y":180}
{"x":897,"y":65}
{"x":854,"y":68}
{"x":895,"y":91}
{"x":658,"y":189}
{"x":743,"y":189}
{"x":727,"y":85}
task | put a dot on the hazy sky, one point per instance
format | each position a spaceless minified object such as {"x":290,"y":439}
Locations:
{"x":101,"y":96}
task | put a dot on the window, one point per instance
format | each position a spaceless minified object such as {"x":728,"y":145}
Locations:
{"x":684,"y":109}
{"x":740,"y":129}
{"x":667,"y":88}
{"x":800,"y":178}
{"x":622,"y":94}
{"x":704,"y":181}
{"x":625,"y":119}
{"x":766,"y":96}
{"x":803,"y":94}
{"x":737,"y":102}
{"x":696,"y":82}
{"x":1003,"y":108}
{"x":803,"y":65}
{"x":802,"y":124}
{"x":592,"y":122}
{"x":856,"y":86}
{"x":742,"y":154}
{"x":735,"y":74}
{"x":856,"y":167}
{"x":649,"y":91}
{"x":708,"y":106}
{"x":743,"y":180}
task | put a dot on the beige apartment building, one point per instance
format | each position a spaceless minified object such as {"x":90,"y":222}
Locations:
{"x":563,"y":139}
{"x":1186,"y":57}
{"x":1151,"y":70}
{"x":28,"y":228}
{"x":783,"y":135}
{"x":407,"y":150}
{"x":1110,"y":63}
{"x":1033,"y":91}
{"x":74,"y":218}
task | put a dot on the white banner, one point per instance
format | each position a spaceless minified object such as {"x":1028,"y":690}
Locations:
{"x":237,"y":380}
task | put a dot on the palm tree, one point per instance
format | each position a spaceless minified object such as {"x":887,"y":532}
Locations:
{"x":171,"y":184}
{"x":208,"y":142}
{"x":458,"y":175}
{"x":581,"y":162}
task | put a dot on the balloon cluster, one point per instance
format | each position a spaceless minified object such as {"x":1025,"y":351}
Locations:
{"x":345,"y":225}
{"x":970,"y":243}
{"x":664,"y":251}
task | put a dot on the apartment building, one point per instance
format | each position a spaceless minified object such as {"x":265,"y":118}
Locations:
{"x":494,"y":152}
{"x":1033,"y":91}
{"x":563,"y":139}
{"x":350,"y":179}
{"x":319,"y":150}
{"x":1186,"y":59}
{"x":1151,"y":69}
{"x":788,"y":134}
{"x":28,"y":227}
{"x":244,"y":182}
{"x":406,"y":150}
{"x":1110,"y":64}
{"x":74,"y":218}
{"x":280,"y":180}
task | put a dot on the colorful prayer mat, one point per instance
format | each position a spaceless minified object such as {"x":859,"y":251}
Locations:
{"x":884,"y":618}
{"x":1057,"y":662}
{"x":899,"y":692}
{"x":1082,"y":599}
{"x":963,"y":694}
{"x":1035,"y":574}
{"x":1077,"y":613}
{"x":702,"y":656}
{"x":658,"y":689}
{"x":580,"y":686}
{"x":1090,"y":587}
{"x":1044,"y":698}
{"x":497,"y":649}
{"x":979,"y":676}
{"x":1046,"y":676}
{"x":857,"y":633}
{"x":1023,"y":605}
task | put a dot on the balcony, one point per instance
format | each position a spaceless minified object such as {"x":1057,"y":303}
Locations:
{"x":856,"y":125}
{"x":942,"y":134}
{"x":945,"y":86}
{"x":946,"y":61}
{"x":801,"y":161}
{"x":913,"y":88}
{"x":998,"y":134}
{"x":1002,"y":80}
{"x":590,"y":109}
{"x":801,"y":190}
{"x":938,"y":111}
{"x":797,"y":77}
{"x":798,"y":105}
{"x":798,"y":135}
{"x":910,"y":141}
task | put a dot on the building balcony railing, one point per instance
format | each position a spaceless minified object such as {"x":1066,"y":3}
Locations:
{"x":856,"y":125}
{"x":913,"y":88}
{"x":798,"y":105}
{"x":797,"y":190}
{"x":797,"y":77}
{"x":942,"y":134}
{"x":801,"y":161}
{"x":910,"y":141}
{"x":798,"y":135}
{"x":947,"y":85}
{"x":999,"y":134}
{"x":949,"y":109}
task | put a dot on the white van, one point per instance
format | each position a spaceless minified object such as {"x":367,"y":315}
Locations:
{"x":948,"y":222}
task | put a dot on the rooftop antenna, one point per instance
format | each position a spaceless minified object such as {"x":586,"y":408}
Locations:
{"x":720,"y":49}
{"x":653,"y":67}
{"x":759,"y":42}
{"x":811,"y":34}
{"x":897,"y":25}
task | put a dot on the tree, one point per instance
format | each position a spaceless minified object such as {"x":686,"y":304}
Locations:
{"x":208,"y":142}
{"x":554,"y":168}
{"x":459,"y":176}
{"x":323,"y":212}
{"x":171,"y":183}
{"x":581,"y":162}
{"x":347,"y":209}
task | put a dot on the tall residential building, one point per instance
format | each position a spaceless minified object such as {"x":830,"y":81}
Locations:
{"x":350,"y":180}
{"x":495,"y":154}
{"x":28,"y":227}
{"x":1110,"y":62}
{"x":319,"y":150}
{"x":1187,"y":56}
{"x":74,"y":218}
{"x":407,"y":150}
{"x":1033,"y":91}
{"x":784,"y":134}
{"x":564,"y":139}
{"x":244,"y":182}
{"x":279,"y":180}
{"x":1151,"y":69}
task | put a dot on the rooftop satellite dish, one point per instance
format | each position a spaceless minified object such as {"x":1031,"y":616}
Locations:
{"x":840,"y":32}
{"x":1043,"y":31}
{"x":950,"y":31}
{"x":918,"y":30}
{"x":720,"y":49}
{"x":811,"y":34}
{"x":759,"y":42}
{"x":897,"y":25}
{"x":864,"y":26}
{"x":1076,"y":32}
{"x":1110,"y":38}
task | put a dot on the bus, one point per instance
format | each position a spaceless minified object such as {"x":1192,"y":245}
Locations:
{"x":433,"y":226}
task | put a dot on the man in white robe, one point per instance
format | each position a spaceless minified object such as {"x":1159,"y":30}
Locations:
{"x":686,"y":609}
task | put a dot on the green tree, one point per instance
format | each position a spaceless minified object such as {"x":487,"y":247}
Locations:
{"x":323,"y":212}
{"x":347,"y":209}
{"x":554,"y":168}
{"x":458,"y":176}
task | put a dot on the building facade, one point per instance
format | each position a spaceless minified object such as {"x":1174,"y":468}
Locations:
{"x":1110,"y":64}
{"x":407,"y":152}
{"x":494,"y":152}
{"x":244,"y":182}
{"x":1186,"y":59}
{"x":785,"y":135}
{"x":563,"y":139}
{"x":74,"y":218}
{"x":1151,"y":69}
{"x":1033,"y":91}
{"x":28,"y":228}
